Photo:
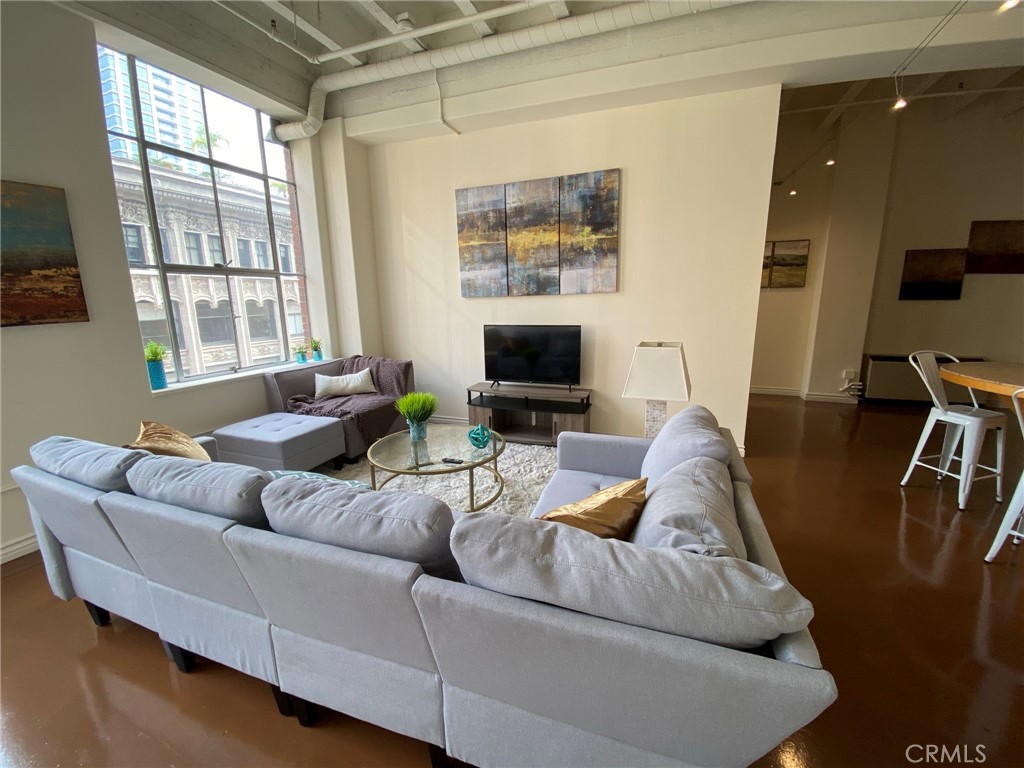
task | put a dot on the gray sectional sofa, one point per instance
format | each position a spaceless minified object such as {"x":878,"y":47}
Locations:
{"x":497,"y":640}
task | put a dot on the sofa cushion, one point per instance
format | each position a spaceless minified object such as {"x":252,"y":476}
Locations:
{"x":98,"y":466}
{"x":719,"y":600}
{"x":224,"y":490}
{"x":167,"y":441}
{"x":569,"y":485}
{"x":399,"y":524}
{"x":692,"y":508}
{"x":357,"y":383}
{"x":610,"y":513}
{"x":690,"y":433}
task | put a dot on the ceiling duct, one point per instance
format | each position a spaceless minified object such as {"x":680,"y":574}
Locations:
{"x":630,"y":14}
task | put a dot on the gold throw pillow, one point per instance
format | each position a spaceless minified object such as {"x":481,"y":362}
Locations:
{"x":167,"y":441}
{"x":611,"y":513}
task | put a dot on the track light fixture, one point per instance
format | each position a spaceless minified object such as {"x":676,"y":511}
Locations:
{"x":1008,"y":5}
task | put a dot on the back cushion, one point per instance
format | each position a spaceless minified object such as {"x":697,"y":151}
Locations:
{"x":719,"y":600}
{"x":225,"y":490}
{"x":690,"y":433}
{"x":98,"y":466}
{"x":407,"y":526}
{"x":692,"y":508}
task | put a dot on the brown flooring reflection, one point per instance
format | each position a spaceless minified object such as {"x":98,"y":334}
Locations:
{"x":925,"y":641}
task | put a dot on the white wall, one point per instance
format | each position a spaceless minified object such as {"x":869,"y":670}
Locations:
{"x":693,"y":207}
{"x":947,"y":172}
{"x":87,"y":380}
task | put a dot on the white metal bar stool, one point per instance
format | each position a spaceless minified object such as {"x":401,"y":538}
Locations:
{"x":1013,"y":521}
{"x":970,"y":423}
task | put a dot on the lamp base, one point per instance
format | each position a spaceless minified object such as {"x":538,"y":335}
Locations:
{"x":654,"y":417}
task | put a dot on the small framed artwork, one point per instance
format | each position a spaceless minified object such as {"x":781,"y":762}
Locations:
{"x":766,"y":264}
{"x":789,"y":264}
{"x":40,"y":281}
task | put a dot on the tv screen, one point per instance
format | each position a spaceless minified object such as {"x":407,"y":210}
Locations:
{"x":535,"y":354}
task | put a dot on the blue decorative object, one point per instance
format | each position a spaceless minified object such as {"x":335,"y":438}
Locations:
{"x":300,"y":357}
{"x":157,"y":376}
{"x":479,"y":436}
{"x":317,"y":355}
{"x":417,"y":430}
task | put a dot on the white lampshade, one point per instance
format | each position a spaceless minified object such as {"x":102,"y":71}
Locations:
{"x":658,"y":372}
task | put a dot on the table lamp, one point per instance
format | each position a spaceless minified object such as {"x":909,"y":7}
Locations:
{"x":657,"y":374}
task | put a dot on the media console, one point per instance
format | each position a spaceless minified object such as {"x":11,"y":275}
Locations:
{"x":529,"y":414}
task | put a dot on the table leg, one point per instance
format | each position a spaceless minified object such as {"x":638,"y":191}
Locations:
{"x":472,"y":496}
{"x":373,"y":477}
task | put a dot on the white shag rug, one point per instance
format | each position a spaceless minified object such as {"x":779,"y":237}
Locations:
{"x":526,"y":469}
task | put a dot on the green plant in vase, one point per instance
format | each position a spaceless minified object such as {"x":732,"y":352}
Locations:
{"x":417,"y":408}
{"x":299,"y":350}
{"x":318,"y":350}
{"x":155,"y":354}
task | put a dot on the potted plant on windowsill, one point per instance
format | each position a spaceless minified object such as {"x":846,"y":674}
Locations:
{"x":417,"y":408}
{"x":318,"y":350}
{"x":155,"y":354}
{"x":299,"y":350}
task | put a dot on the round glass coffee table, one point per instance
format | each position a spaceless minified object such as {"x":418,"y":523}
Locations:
{"x":399,"y":455}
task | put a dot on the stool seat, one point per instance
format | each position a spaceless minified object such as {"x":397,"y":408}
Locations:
{"x":281,"y":441}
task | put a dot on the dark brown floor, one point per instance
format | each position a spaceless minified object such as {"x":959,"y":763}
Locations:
{"x":925,"y":641}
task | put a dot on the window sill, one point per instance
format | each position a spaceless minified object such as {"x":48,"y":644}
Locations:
{"x":213,"y":381}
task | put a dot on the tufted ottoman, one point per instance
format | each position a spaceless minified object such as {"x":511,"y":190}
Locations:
{"x":281,"y":441}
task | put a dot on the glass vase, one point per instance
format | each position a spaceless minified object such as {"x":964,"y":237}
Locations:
{"x":417,"y":430}
{"x":157,"y":375}
{"x":317,"y":355}
{"x":300,"y":357}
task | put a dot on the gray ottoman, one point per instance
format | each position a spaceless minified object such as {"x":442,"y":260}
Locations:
{"x":281,"y":441}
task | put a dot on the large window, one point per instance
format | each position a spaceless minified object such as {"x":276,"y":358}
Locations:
{"x":206,"y":200}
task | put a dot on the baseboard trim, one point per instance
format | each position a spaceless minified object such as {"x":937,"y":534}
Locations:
{"x":784,"y":391}
{"x":450,"y":419}
{"x":827,"y":397}
{"x":18,"y":547}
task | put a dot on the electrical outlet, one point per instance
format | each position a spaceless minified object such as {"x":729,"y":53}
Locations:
{"x":850,"y":374}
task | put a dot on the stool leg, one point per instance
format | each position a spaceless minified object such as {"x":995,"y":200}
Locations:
{"x":953,"y":434}
{"x":969,"y":463}
{"x":928,"y":427}
{"x":1010,"y":520}
{"x":1000,"y":450}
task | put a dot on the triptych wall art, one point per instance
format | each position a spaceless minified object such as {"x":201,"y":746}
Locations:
{"x":558,"y":235}
{"x":937,"y":274}
{"x":39,"y":278}
{"x":785,"y":263}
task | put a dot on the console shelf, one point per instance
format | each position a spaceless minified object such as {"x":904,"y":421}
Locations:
{"x":529,"y":414}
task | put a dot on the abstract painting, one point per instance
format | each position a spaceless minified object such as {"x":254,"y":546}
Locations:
{"x":39,"y":278}
{"x":789,"y":264}
{"x":483,"y":262}
{"x":933,"y":275}
{"x":531,"y":211}
{"x":996,"y":248}
{"x":589,"y":232}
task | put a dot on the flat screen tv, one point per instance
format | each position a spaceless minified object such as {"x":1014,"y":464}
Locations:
{"x":533,"y":354}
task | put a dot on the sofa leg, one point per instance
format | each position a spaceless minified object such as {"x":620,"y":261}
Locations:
{"x":184,"y":660}
{"x":305,"y":711}
{"x":438,"y":757}
{"x":100,"y":616}
{"x":284,"y":701}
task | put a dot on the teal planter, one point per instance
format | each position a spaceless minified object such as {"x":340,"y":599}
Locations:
{"x":300,"y":357}
{"x":157,"y":376}
{"x":317,"y":355}
{"x":417,"y":430}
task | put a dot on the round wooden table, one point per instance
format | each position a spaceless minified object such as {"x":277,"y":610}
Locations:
{"x":1000,"y":378}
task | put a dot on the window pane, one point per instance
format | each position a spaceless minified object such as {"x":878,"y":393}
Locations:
{"x":234,"y":132}
{"x":264,"y":343}
{"x":279,"y":162}
{"x":133,"y":243}
{"x":182,"y":199}
{"x":172,"y":110}
{"x":263,"y":255}
{"x":294,"y":288}
{"x":149,"y":304}
{"x":202,"y":309}
{"x":194,"y":248}
{"x":243,"y":207}
{"x":284,"y":255}
{"x":215,"y":248}
{"x":286,"y":225}
{"x":117,"y":101}
{"x":244,"y":253}
{"x":131,"y":203}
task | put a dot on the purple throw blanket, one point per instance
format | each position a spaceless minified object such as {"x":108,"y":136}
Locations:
{"x":373,"y":413}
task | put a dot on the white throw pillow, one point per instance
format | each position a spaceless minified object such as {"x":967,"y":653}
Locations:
{"x":349,"y":384}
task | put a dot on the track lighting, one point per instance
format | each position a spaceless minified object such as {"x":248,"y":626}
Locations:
{"x":831,"y":161}
{"x":1008,"y":5}
{"x":900,"y":103}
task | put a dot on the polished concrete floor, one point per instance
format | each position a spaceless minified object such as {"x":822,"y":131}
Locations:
{"x":925,"y":641}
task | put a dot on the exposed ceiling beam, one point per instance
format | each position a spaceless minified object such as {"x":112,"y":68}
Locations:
{"x":288,"y":15}
{"x":559,"y":9}
{"x":982,"y":79}
{"x":468,"y":9}
{"x":830,"y":119}
{"x":787,"y":96}
{"x":382,"y":17}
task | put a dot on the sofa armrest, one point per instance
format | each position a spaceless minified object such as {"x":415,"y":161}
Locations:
{"x":602,"y":454}
{"x":209,"y":444}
